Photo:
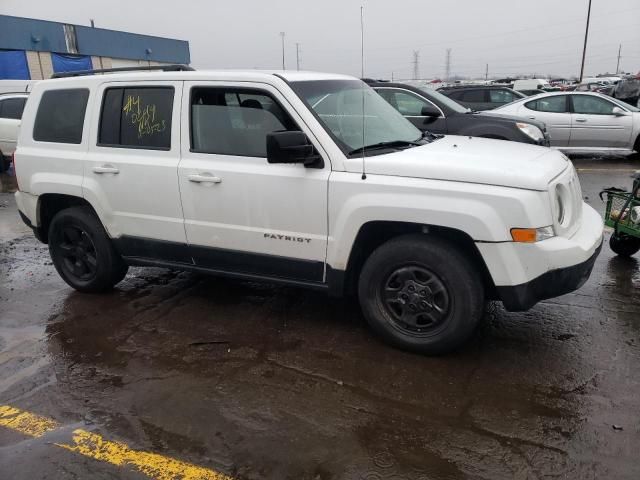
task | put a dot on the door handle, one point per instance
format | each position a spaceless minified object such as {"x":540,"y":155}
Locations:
{"x":532,"y":118}
{"x":204,"y":178}
{"x":105,"y":169}
{"x":581,"y":120}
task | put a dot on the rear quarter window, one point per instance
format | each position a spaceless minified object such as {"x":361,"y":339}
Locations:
{"x":12,"y":108}
{"x":60,"y":116}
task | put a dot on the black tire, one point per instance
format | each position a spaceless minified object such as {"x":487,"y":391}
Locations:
{"x":82,"y":252}
{"x":624,"y":245}
{"x":441,"y":283}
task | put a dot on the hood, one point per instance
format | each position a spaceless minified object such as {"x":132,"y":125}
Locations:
{"x":471,"y":160}
{"x":510,"y":119}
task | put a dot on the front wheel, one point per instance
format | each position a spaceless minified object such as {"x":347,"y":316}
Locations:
{"x":421,"y":294}
{"x":624,"y":245}
{"x":82,"y":252}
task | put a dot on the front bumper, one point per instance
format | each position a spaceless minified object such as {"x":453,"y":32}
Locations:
{"x":525,"y":273}
{"x":548,"y":285}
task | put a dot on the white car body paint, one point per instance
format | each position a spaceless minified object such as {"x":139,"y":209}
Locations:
{"x":481,"y":187}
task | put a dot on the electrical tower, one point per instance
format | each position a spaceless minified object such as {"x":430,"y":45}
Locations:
{"x":416,"y":64}
{"x":447,"y":75}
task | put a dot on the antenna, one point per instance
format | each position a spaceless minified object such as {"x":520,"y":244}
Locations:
{"x":364,"y":173}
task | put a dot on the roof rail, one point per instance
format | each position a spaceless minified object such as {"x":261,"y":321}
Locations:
{"x":164,"y":68}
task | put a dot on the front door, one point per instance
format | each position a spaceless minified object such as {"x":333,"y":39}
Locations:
{"x":554,"y":111}
{"x":595,"y":125}
{"x":411,"y":106}
{"x":131,"y":168}
{"x":241,"y":213}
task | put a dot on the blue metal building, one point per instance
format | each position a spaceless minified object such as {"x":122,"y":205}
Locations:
{"x":34,"y":49}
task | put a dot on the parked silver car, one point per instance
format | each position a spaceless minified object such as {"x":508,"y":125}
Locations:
{"x":582,"y":121}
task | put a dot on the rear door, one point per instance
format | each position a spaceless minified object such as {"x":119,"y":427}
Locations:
{"x":410,"y":105}
{"x":243,"y":214}
{"x":131,"y":167}
{"x":595,"y":125}
{"x":554,"y":111}
{"x":10,"y":114}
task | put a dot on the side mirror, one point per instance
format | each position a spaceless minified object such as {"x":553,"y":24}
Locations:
{"x":292,"y":147}
{"x":429,"y":111}
{"x":618,"y":112}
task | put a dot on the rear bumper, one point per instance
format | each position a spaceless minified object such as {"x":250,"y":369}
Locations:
{"x":551,"y":284}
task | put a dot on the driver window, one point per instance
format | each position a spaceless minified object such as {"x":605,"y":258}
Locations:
{"x":408,"y":104}
{"x":231,"y":121}
{"x":590,"y":105}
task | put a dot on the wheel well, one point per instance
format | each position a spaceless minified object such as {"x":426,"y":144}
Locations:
{"x":374,"y":234}
{"x":51,"y":203}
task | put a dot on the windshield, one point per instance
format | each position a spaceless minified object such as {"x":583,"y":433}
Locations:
{"x":449,"y":103}
{"x":339,"y":106}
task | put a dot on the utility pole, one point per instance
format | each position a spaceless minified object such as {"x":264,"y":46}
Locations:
{"x":447,"y":74}
{"x":618,"y":65}
{"x":297,"y":56}
{"x":282,"y":36}
{"x":416,"y":64}
{"x":486,"y":73}
{"x":586,"y":35}
{"x":392,"y":76}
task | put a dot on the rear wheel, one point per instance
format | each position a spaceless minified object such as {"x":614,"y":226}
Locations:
{"x":624,"y":245}
{"x":82,"y":252}
{"x":421,"y":294}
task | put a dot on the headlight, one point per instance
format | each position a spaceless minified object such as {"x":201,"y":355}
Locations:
{"x":531,"y":131}
{"x":532,"y":235}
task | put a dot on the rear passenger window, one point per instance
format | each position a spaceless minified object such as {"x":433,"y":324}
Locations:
{"x":473,"y":96}
{"x":554,"y":104}
{"x":60,"y":117}
{"x":136,"y":118}
{"x":12,"y":108}
{"x":235,"y":121}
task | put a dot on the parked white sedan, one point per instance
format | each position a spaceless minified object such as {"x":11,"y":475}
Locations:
{"x":582,"y":121}
{"x":11,"y":107}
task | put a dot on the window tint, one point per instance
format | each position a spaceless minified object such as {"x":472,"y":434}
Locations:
{"x":590,"y":105}
{"x":473,"y":96}
{"x":137,"y":118}
{"x":60,"y":116}
{"x":555,"y":104}
{"x":406,"y":103}
{"x":501,"y":96}
{"x":455,"y":95}
{"x":235,"y":121}
{"x":12,"y":108}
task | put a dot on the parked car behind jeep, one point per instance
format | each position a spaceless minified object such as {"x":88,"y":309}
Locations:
{"x":431,"y":111}
{"x":481,"y":97}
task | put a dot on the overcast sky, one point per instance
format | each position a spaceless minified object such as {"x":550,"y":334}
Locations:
{"x":512,"y":36}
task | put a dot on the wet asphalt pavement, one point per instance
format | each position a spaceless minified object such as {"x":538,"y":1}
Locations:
{"x":258,"y":381}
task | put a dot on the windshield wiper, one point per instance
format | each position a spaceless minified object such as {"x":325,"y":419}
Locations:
{"x":391,"y":144}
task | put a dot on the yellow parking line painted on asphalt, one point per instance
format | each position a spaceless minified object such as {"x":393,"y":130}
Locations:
{"x":25,"y":422}
{"x":151,"y":464}
{"x":94,"y":446}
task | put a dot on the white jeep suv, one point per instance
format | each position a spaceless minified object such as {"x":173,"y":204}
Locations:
{"x":302,"y":178}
